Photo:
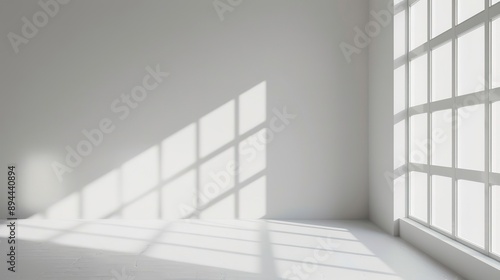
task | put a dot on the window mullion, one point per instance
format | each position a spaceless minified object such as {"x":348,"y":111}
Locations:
{"x":407,"y":106}
{"x":487,"y":116}
{"x":429,"y":114}
{"x":454,"y":121}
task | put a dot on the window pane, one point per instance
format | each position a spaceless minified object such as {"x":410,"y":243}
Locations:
{"x":442,"y":138}
{"x":495,"y":53}
{"x":418,"y":195}
{"x":471,"y":212}
{"x":468,"y":8}
{"x":399,"y":34}
{"x":442,"y":202}
{"x":496,"y":220}
{"x":494,"y":2}
{"x":495,"y":145}
{"x":471,"y":137}
{"x":442,"y":72}
{"x":418,"y":24}
{"x":399,"y":89}
{"x":418,"y":81}
{"x":399,"y":144}
{"x":441,"y":16}
{"x":418,"y":139}
{"x":471,"y":62}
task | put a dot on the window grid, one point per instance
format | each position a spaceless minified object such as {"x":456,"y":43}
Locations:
{"x":484,"y":97}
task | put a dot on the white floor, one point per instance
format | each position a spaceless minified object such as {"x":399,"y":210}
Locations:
{"x":120,"y":249}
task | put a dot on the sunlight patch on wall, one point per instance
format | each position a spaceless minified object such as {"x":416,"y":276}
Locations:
{"x":217,"y":128}
{"x":146,"y":207}
{"x":67,"y":208}
{"x":178,"y":151}
{"x":202,"y":167}
{"x":217,"y":176}
{"x":140,"y":174}
{"x":252,"y":108}
{"x":223,"y":209}
{"x":253,"y":199}
{"x":252,"y":155}
{"x":178,"y":192}
{"x":101,"y":197}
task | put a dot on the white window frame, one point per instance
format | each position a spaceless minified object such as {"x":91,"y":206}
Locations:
{"x":487,"y":97}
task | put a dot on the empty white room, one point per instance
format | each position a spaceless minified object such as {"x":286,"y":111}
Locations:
{"x":250,"y":139}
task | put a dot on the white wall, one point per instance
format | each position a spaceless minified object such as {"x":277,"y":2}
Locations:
{"x":381,"y":130}
{"x":64,"y":79}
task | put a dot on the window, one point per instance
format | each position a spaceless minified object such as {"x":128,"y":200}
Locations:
{"x":470,"y":128}
{"x":471,"y":212}
{"x":495,"y":53}
{"x":418,"y":139}
{"x":441,"y":16}
{"x":418,"y":190}
{"x":442,"y":72}
{"x":418,"y":81}
{"x":442,"y":203}
{"x":471,"y":61}
{"x":468,"y":8}
{"x":496,"y":220}
{"x":442,"y":134}
{"x":418,"y":18}
{"x":452,"y":65}
{"x":495,"y":137}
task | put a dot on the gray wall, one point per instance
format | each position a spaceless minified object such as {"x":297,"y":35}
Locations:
{"x":64,"y":79}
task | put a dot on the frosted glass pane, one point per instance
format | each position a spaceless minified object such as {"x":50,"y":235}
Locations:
{"x":399,"y":89}
{"x":418,"y":24}
{"x":442,"y":72}
{"x":399,"y":144}
{"x":418,"y":195}
{"x":471,"y":62}
{"x":496,"y":219}
{"x":418,"y":81}
{"x":442,"y":202}
{"x":495,"y":60}
{"x":399,"y":34}
{"x":468,"y":8}
{"x":442,"y":138}
{"x":471,"y":212}
{"x":418,"y":138}
{"x":441,"y":16}
{"x":471,"y":137}
{"x":495,"y":145}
